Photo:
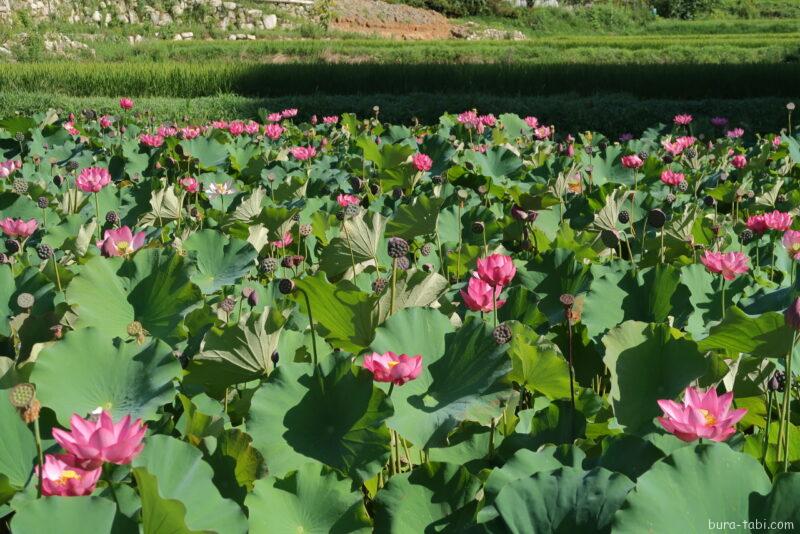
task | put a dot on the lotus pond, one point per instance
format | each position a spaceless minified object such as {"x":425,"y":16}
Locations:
{"x":340,"y":325}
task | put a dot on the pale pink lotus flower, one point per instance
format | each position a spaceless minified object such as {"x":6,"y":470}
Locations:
{"x":62,"y":476}
{"x":274,"y":117}
{"x":303,"y":153}
{"x":531,"y":121}
{"x":624,"y":138}
{"x":153,"y":141}
{"x":394,"y":368}
{"x":719,"y":122}
{"x":99,"y":439}
{"x":673,"y":148}
{"x":347,"y":200}
{"x":778,"y":220}
{"x":728,"y":264}
{"x":190,"y":184}
{"x":480,"y":296}
{"x":167,"y":131}
{"x":468,"y":119}
{"x":757,"y":224}
{"x":422,"y":162}
{"x":683,"y":119}
{"x":215,"y":189}
{"x":686,"y":140}
{"x":236,"y":128}
{"x":791,"y":240}
{"x":496,"y":270}
{"x":314,"y":120}
{"x":289,"y":113}
{"x":190,"y":132}
{"x":284,"y":241}
{"x":93,"y":179}
{"x":273,"y":131}
{"x":739,"y":161}
{"x":126,"y":104}
{"x":18,"y":227}
{"x":331,"y":119}
{"x":701,"y":415}
{"x":736,"y":133}
{"x":488,"y":120}
{"x":542,"y":132}
{"x":120,"y":242}
{"x":69,"y":126}
{"x":632,"y":161}
{"x":252,"y":127}
{"x":219,"y":124}
{"x":672,"y":178}
{"x":8,"y":167}
{"x":105,"y":121}
{"x":480,"y":148}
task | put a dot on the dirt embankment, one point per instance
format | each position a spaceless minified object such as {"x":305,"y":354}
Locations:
{"x":389,"y":20}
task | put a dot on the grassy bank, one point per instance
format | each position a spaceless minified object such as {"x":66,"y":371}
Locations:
{"x":611,"y":114}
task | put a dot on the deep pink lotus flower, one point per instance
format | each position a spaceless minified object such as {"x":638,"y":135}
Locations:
{"x":728,"y":264}
{"x":702,"y":415}
{"x":348,"y":200}
{"x":99,"y":439}
{"x":719,"y":122}
{"x":532,"y":122}
{"x":105,"y":121}
{"x":331,"y":119}
{"x":189,"y":132}
{"x":93,"y":179}
{"x":791,"y":240}
{"x":189,"y":184}
{"x":273,"y":131}
{"x":394,"y":368}
{"x":683,"y":119}
{"x":120,"y":242}
{"x":469,"y":119}
{"x":739,"y":161}
{"x":18,"y":227}
{"x":303,"y":153}
{"x":167,"y":131}
{"x":422,"y":162}
{"x":481,"y":296}
{"x":69,"y":126}
{"x":632,"y":161}
{"x":496,"y":270}
{"x":126,"y":104}
{"x":283,"y":242}
{"x":153,"y":141}
{"x":672,"y":178}
{"x":488,"y":120}
{"x":776,"y":141}
{"x":736,"y":133}
{"x":274,"y":117}
{"x":236,"y":128}
{"x":757,"y":224}
{"x":778,"y":220}
{"x":63,"y":477}
{"x":252,"y":128}
{"x":289,"y":113}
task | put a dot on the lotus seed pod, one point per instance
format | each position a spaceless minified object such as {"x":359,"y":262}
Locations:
{"x":25,"y":301}
{"x":135,"y":329}
{"x":20,"y":186}
{"x":268,"y":265}
{"x":22,"y":395}
{"x":305,"y":230}
{"x":397,"y":247}
{"x":42,"y":202}
{"x":286,"y":286}
{"x":501,"y":334}
{"x":567,"y":300}
{"x":227,"y":304}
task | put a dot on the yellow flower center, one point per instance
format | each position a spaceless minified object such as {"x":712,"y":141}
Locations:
{"x":67,"y":475}
{"x":392,"y":363}
{"x":710,"y":419}
{"x":123,"y":246}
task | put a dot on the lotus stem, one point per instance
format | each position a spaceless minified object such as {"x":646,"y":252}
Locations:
{"x":58,"y":276}
{"x":571,"y":380}
{"x":350,"y":250}
{"x":491,"y":437}
{"x":311,"y":321}
{"x":394,"y":285}
{"x":723,"y":298}
{"x":765,"y":446}
{"x":37,"y":435}
{"x":408,"y":455}
{"x":97,"y":212}
{"x":787,"y":401}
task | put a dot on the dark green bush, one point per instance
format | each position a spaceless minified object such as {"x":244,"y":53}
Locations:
{"x":684,"y":9}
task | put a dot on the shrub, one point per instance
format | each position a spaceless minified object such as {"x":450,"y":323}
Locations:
{"x":684,"y":9}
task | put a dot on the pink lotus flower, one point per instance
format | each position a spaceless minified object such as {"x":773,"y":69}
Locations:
{"x":283,"y":242}
{"x":394,"y":368}
{"x":93,"y":179}
{"x":8,"y":167}
{"x":105,"y":121}
{"x":219,"y":125}
{"x":488,"y":120}
{"x":236,"y":128}
{"x":274,"y":117}
{"x":532,"y":122}
{"x":683,"y":119}
{"x":496,"y":270}
{"x":776,"y":141}
{"x":303,"y":153}
{"x":126,"y":104}
{"x":481,"y":296}
{"x":252,"y":128}
{"x":686,"y":141}
{"x":314,"y":120}
{"x":757,"y":224}
{"x":98,"y":439}
{"x":469,"y":119}
{"x":778,"y":220}
{"x":289,"y":113}
{"x":18,"y":227}
{"x":332,"y":119}
{"x":120,"y":242}
{"x":791,"y":240}
{"x":348,"y":200}
{"x":673,"y":148}
{"x":739,"y":161}
{"x":542,"y":132}
{"x":189,"y":184}
{"x":273,"y":131}
{"x":702,"y":415}
{"x":153,"y":141}
{"x":167,"y":131}
{"x":672,"y":178}
{"x":736,"y":133}
{"x":719,"y":122}
{"x":480,"y":148}
{"x":69,"y":126}
{"x":63,"y":478}
{"x":632,"y":161}
{"x":422,"y":162}
{"x":190,"y":132}
{"x":728,"y":264}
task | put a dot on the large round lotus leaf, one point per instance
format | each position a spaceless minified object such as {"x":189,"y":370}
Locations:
{"x":218,"y":261}
{"x":65,"y":515}
{"x":434,"y":497}
{"x":152,"y":288}
{"x":177,"y":492}
{"x":692,"y":487}
{"x":335,"y":417}
{"x":563,"y":501}
{"x":781,"y":503}
{"x":459,"y":370}
{"x":648,"y":362}
{"x":88,"y":369}
{"x":312,"y":500}
{"x":18,"y":449}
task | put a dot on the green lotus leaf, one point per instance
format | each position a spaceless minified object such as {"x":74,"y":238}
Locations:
{"x":218,"y":261}
{"x":73,"y":515}
{"x":19,"y":450}
{"x":767,"y":335}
